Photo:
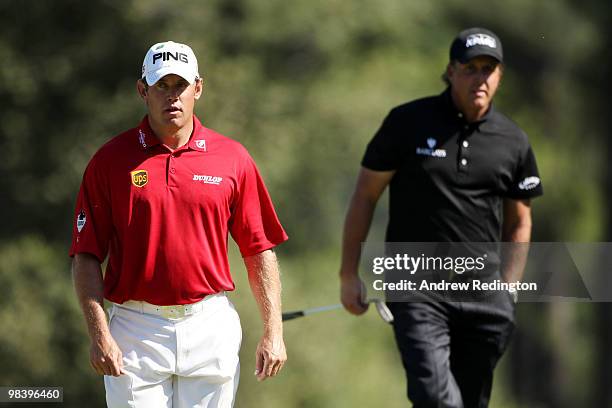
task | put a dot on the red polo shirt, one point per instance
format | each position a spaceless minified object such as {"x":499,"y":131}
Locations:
{"x":163,"y":217}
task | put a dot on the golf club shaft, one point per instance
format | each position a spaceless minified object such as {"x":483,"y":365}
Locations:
{"x":306,"y":312}
{"x":381,"y":308}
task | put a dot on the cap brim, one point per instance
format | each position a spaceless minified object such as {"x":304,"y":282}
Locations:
{"x":478,"y":52}
{"x":186,"y":74}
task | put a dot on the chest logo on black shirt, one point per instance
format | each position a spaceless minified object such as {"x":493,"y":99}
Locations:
{"x":430,"y":149}
{"x":139,"y":177}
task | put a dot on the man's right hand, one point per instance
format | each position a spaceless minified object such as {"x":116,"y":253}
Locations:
{"x":106,"y":357}
{"x":352,"y":294}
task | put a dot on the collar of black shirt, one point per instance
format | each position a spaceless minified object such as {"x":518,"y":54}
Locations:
{"x":447,"y":106}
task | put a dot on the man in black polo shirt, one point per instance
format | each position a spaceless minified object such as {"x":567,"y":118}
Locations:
{"x":458,"y":171}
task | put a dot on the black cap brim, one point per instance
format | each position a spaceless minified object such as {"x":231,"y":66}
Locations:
{"x":478,"y":52}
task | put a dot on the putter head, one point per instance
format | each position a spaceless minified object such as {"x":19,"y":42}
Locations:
{"x":383,"y":311}
{"x":381,"y":306}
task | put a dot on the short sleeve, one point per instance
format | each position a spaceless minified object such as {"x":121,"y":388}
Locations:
{"x":254,"y":224}
{"x":526,"y":182}
{"x":92,"y":226}
{"x":384,"y":152}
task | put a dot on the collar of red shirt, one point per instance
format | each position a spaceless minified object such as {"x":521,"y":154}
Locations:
{"x":147,"y":139}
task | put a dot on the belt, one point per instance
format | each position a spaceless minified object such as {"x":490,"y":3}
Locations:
{"x":168,"y":312}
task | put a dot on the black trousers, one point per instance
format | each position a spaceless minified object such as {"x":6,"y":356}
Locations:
{"x":450,"y":349}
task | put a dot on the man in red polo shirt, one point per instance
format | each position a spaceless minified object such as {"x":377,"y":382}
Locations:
{"x":160,"y":200}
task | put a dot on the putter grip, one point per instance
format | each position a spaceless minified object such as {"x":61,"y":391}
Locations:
{"x":292,"y":315}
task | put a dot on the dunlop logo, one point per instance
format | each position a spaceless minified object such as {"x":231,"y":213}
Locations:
{"x":139,"y":177}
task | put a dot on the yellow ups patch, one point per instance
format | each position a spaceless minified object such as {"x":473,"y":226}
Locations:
{"x":139,"y":177}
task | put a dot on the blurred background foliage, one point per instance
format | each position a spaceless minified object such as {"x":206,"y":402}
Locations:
{"x":303,"y":85}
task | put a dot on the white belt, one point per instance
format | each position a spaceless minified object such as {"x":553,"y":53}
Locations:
{"x":168,"y":312}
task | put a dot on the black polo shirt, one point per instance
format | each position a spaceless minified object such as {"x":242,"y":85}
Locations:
{"x":451,"y":176}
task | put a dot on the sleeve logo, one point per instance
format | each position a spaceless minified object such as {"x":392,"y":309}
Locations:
{"x":81,"y":220}
{"x":139,"y":177}
{"x":529,"y":183}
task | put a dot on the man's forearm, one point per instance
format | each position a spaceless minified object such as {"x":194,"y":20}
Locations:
{"x":516,"y":234}
{"x":356,"y":227}
{"x":370,"y":186}
{"x":88,"y":284}
{"x":264,"y":279}
{"x":105,"y":355}
{"x":515,"y":251}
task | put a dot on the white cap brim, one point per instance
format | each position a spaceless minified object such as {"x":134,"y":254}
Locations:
{"x":186,"y":74}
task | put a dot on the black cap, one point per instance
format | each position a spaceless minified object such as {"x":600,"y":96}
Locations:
{"x":474,"y":42}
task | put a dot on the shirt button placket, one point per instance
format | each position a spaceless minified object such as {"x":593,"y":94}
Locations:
{"x":463,"y":155}
{"x":171,"y":170}
{"x":462,"y":166}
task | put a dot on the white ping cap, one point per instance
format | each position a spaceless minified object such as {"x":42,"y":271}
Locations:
{"x":170,"y":58}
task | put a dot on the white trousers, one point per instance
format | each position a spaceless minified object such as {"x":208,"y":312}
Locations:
{"x":176,"y":363}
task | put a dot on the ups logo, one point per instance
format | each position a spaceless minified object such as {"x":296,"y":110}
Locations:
{"x":139,"y":177}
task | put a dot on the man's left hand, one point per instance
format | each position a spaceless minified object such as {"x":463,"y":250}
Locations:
{"x":270,"y":356}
